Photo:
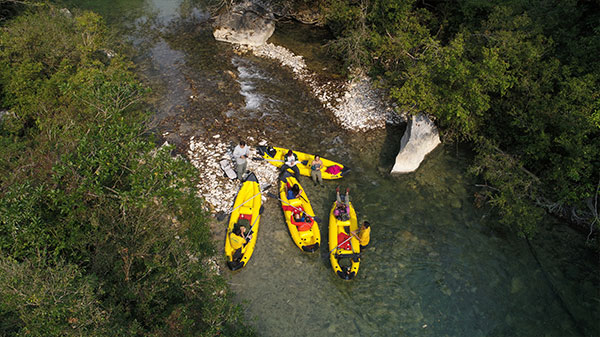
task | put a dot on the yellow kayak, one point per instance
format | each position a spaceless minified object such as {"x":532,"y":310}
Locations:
{"x":246,"y":212}
{"x":276,"y":156}
{"x":344,"y":246}
{"x":305,"y":232}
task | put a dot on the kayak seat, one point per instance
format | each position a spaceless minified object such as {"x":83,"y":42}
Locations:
{"x":343,"y":237}
{"x":246,"y":217}
{"x":343,"y":223}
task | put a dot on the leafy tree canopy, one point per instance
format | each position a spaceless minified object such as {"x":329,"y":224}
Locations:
{"x":101,"y":233}
{"x":517,"y":79}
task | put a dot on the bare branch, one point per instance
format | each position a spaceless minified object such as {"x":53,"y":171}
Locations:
{"x":488,"y":186}
{"x":594,"y":209}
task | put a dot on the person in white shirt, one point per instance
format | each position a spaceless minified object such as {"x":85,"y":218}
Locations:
{"x":290,"y":162}
{"x":241,"y":153}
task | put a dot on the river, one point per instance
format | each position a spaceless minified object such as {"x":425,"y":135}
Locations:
{"x":436,"y":265}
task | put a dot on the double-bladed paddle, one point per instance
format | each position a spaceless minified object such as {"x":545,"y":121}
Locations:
{"x":304,"y":162}
{"x":260,"y":211}
{"x":271,"y":195}
{"x":222,"y":216}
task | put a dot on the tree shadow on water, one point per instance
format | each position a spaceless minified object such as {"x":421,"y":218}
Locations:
{"x":390,"y":146}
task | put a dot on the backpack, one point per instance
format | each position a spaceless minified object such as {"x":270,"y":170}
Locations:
{"x":333,"y":169}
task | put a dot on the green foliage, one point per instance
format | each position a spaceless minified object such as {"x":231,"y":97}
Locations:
{"x":516,"y":187}
{"x":519,"y":75}
{"x":49,"y":300}
{"x":91,"y":210}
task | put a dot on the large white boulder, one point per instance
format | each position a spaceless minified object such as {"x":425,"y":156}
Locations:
{"x":246,"y":23}
{"x":420,"y":138}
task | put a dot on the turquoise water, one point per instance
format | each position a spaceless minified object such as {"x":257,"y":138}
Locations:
{"x":436,"y":265}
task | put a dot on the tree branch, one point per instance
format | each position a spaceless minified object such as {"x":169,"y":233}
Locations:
{"x":594,"y":209}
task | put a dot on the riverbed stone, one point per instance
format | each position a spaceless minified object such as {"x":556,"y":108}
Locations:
{"x":246,"y":23}
{"x":516,"y":285}
{"x":420,"y":138}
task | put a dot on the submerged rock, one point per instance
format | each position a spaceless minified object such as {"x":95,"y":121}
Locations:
{"x":420,"y":138}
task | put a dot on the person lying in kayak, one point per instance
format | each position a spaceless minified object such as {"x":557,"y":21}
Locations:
{"x":293,"y":192}
{"x":342,"y":209}
{"x":299,"y":217}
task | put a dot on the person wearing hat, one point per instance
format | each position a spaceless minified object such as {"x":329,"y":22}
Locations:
{"x":290,"y":162}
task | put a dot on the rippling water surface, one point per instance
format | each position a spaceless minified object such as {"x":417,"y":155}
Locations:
{"x":436,"y":265}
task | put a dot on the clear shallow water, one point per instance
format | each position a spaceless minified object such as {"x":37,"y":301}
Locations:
{"x":436,"y":265}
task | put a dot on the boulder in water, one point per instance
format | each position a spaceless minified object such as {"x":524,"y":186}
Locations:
{"x":246,"y":23}
{"x":420,"y":138}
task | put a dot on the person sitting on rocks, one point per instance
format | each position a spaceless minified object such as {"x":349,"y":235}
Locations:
{"x":290,"y":163}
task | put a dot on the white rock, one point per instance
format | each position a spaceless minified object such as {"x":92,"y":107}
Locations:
{"x":420,"y":138}
{"x":246,"y":23}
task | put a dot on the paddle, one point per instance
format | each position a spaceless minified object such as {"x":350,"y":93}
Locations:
{"x":222,"y":216}
{"x":260,"y":211}
{"x":349,"y":237}
{"x":269,"y":194}
{"x":353,"y":256}
{"x":261,"y":159}
{"x":304,"y":162}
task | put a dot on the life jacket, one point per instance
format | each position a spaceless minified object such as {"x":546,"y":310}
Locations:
{"x":236,"y":241}
{"x":304,"y":224}
{"x":365,"y":236}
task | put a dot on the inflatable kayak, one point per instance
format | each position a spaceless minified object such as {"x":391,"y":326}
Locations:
{"x":344,"y":246}
{"x":299,"y":215}
{"x":275,"y":156}
{"x":246,"y":212}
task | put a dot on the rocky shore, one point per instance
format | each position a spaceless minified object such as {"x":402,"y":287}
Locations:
{"x":357,"y":105}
